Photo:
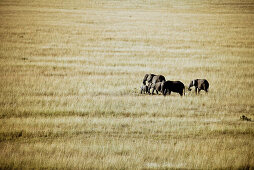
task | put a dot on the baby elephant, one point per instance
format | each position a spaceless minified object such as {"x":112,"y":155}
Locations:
{"x":143,"y":89}
{"x":156,"y":87}
{"x":200,"y":84}
{"x":174,"y":86}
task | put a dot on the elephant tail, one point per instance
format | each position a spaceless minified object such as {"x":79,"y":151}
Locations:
{"x":145,"y":78}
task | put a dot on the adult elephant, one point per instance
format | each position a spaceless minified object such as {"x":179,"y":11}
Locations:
{"x":200,"y":84}
{"x":157,"y":87}
{"x":173,"y":86}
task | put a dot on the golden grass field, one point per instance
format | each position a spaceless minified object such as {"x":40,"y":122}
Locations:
{"x":71,"y":71}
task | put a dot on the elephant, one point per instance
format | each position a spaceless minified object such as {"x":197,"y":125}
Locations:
{"x":243,"y":117}
{"x":152,"y":79}
{"x":143,"y":89}
{"x":200,"y":84}
{"x":152,"y":82}
{"x":156,"y":87}
{"x":173,"y":86}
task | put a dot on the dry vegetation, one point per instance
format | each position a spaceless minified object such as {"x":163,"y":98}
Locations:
{"x":70,"y":74}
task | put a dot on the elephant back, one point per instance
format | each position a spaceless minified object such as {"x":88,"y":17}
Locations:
{"x":202,"y":83}
{"x":158,"y":78}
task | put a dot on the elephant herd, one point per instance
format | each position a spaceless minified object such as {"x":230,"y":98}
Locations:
{"x":159,"y":84}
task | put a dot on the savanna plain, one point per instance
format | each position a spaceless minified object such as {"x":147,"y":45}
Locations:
{"x":71,"y":71}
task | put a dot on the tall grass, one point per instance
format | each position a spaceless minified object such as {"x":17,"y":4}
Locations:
{"x":70,"y":74}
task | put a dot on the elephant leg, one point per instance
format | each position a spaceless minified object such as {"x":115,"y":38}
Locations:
{"x":164,"y":92}
{"x":181,"y":93}
{"x":146,"y":90}
{"x":149,"y":88}
{"x":199,"y":91}
{"x":153,"y":87}
{"x":153,"y":91}
{"x":196,"y":90}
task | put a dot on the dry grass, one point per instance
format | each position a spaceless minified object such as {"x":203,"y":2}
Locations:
{"x":70,"y":74}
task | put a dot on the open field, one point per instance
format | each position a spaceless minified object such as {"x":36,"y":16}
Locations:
{"x":70,"y":74}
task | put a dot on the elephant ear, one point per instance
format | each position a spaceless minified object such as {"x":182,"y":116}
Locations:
{"x":149,"y":78}
{"x":195,"y":82}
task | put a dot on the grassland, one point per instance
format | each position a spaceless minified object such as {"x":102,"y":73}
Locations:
{"x":70,"y":74}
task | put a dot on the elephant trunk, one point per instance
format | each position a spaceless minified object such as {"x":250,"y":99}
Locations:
{"x":145,"y":78}
{"x":191,"y":84}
